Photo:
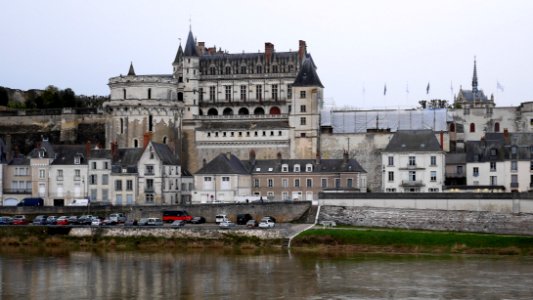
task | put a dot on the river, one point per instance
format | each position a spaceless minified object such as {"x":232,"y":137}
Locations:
{"x":200,"y":274}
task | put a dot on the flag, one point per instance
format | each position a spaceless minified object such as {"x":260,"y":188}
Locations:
{"x":427,"y":89}
{"x":385,"y":89}
{"x":499,"y":86}
{"x":451,"y":87}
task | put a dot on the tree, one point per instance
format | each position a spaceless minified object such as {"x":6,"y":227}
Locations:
{"x":4,"y":96}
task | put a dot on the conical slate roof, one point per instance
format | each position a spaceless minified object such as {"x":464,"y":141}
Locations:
{"x":190,"y":46}
{"x":307,"y":75}
{"x":179,"y":56}
{"x":131,"y":71}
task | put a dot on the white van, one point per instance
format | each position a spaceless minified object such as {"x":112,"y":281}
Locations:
{"x":79,"y":202}
{"x":221,"y":218}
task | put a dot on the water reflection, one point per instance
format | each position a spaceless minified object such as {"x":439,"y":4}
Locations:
{"x":223,"y":275}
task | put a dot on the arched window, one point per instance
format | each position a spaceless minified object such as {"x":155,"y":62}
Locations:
{"x":149,"y":93}
{"x":275,"y":110}
{"x":452,"y":127}
{"x":212,"y":112}
{"x":124,"y":93}
{"x":244,"y":111}
{"x":164,"y":140}
{"x":472,"y":127}
{"x":135,"y":143}
{"x":227,"y":111}
{"x":212,"y":71}
{"x":497,"y":127}
{"x":259,"y":111}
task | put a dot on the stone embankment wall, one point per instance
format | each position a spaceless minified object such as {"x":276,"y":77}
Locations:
{"x":428,"y":219}
{"x":283,"y":212}
{"x":188,"y":232}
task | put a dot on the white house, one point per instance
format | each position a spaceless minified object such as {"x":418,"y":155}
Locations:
{"x":413,"y":162}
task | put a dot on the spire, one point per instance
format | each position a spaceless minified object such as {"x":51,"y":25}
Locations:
{"x":179,"y":56}
{"x":190,"y":46}
{"x":131,"y":72}
{"x":474,"y":78}
{"x":307,"y":75}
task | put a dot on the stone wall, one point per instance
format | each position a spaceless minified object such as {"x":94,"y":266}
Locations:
{"x":427,"y":219}
{"x":283,"y":212}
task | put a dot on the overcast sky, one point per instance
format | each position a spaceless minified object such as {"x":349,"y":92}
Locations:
{"x":358,"y":46}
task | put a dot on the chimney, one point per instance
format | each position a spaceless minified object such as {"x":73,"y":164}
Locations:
{"x":147,"y":137}
{"x":114,"y":150}
{"x":302,"y":50}
{"x":317,"y":159}
{"x":228,"y":155}
{"x":204,"y":162}
{"x":506,"y":135}
{"x":269,"y":49}
{"x":201,"y":47}
{"x":441,"y":140}
{"x":345,"y":157}
{"x":252,"y":157}
{"x":88,"y":149}
{"x":279,"y":158}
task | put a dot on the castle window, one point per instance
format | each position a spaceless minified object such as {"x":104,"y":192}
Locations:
{"x":264,"y":133}
{"x":180,"y":96}
{"x":216,"y":134}
{"x":497,"y":127}
{"x":290,"y":68}
{"x":243,"y":70}
{"x":124,"y":93}
{"x":302,"y":108}
{"x":274,"y":69}
{"x":209,"y":134}
{"x":224,"y":134}
{"x":228,"y":70}
{"x":472,"y":127}
{"x":150,"y":123}
{"x":279,"y":133}
{"x":227,"y":111}
{"x":289,"y":91}
{"x":272,"y":133}
{"x":240,"y":133}
{"x":452,"y":127}
{"x":275,"y":92}
{"x":228,"y":92}
{"x":259,"y":111}
{"x":212,"y":71}
{"x":259,"y":69}
{"x":212,"y":93}
{"x":149,"y":93}
{"x":164,"y":140}
{"x":121,"y":126}
{"x":302,"y":134}
{"x":303,"y":121}
{"x":259,"y":92}
{"x":135,"y":143}
{"x":248,"y":133}
{"x":243,"y":92}
{"x":180,"y":79}
{"x":302,"y":94}
{"x":212,"y":112}
{"x":255,"y":133}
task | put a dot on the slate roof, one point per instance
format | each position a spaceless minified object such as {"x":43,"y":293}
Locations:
{"x":19,"y":160}
{"x":43,"y":145}
{"x":131,"y":71}
{"x":497,"y":147}
{"x":128,"y":157}
{"x":179,"y":56}
{"x":65,"y":154}
{"x":224,"y":164}
{"x":413,"y":141}
{"x":100,"y":154}
{"x":165,"y":154}
{"x":307,"y":75}
{"x":325,"y":165}
{"x":245,"y":125}
{"x":190,"y":46}
{"x":470,"y":96}
{"x":455,"y":158}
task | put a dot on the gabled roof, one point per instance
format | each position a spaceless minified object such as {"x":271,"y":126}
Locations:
{"x":66,"y":154}
{"x":45,"y":146}
{"x":413,"y":141}
{"x":307,"y":75}
{"x":470,"y":96}
{"x":128,"y":157}
{"x":190,"y":46}
{"x":19,"y":160}
{"x":224,"y":164}
{"x":165,"y":154}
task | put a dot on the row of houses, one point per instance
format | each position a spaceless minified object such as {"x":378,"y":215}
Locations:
{"x":413,"y":161}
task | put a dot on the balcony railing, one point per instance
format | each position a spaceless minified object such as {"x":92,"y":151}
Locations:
{"x":149,"y":189}
{"x":414,"y":183}
{"x":240,"y":117}
{"x":17,"y":191}
{"x":514,"y":184}
{"x":59,"y":178}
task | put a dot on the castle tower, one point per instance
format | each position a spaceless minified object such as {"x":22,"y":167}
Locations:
{"x":304,"y":118}
{"x":191,"y":76}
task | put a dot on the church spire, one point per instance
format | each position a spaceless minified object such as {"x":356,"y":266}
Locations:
{"x":474,"y":78}
{"x":131,"y":71}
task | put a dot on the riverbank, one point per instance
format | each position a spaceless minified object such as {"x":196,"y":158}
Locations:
{"x":363,"y":240}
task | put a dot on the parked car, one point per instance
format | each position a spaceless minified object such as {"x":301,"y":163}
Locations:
{"x":251,"y":223}
{"x":109,"y":222}
{"x":72,"y":220}
{"x":269,"y":217}
{"x":20,"y":220}
{"x":96,"y":221}
{"x":198,"y":220}
{"x":178,"y":223}
{"x":131,"y":223}
{"x":220,"y":218}
{"x":51,"y":220}
{"x":39,"y":220}
{"x":243,"y":218}
{"x":85,"y":220}
{"x":6,"y":220}
{"x":266,"y":223}
{"x":151,"y":222}
{"x":226,"y":224}
{"x":63,"y":220}
{"x":31,"y":202}
{"x":118,"y":217}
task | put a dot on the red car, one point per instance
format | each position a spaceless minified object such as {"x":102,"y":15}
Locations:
{"x":63,"y":220}
{"x":20,"y":220}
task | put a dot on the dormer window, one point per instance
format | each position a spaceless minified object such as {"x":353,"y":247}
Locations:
{"x":285,"y":168}
{"x":296,"y":168}
{"x":309,"y":168}
{"x":493,"y":152}
{"x":77,"y":160}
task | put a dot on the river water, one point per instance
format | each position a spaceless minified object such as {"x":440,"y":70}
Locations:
{"x":200,"y":274}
